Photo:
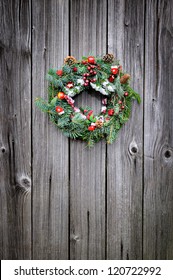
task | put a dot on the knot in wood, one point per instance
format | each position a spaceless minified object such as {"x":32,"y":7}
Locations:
{"x":24,"y":183}
{"x":126,"y":23}
{"x":133,"y":148}
{"x":167,"y":154}
{"x":3,"y":150}
{"x":75,"y":238}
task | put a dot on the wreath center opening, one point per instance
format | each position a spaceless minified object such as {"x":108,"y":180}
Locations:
{"x":89,"y":99}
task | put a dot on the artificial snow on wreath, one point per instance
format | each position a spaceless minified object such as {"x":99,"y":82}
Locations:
{"x":106,"y":77}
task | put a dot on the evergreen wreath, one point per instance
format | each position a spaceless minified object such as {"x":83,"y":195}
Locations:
{"x":105,"y":76}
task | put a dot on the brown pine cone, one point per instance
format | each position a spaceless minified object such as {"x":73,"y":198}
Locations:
{"x":124,"y":78}
{"x":108,"y":58}
{"x":99,"y":123}
{"x":70,"y":60}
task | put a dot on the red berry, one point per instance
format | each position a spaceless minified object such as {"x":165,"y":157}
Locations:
{"x":111,"y":112}
{"x":59,"y":109}
{"x":111,"y":78}
{"x":84,"y":78}
{"x":85,"y":84}
{"x":61,"y":95}
{"x":87,"y":74}
{"x":122,"y":107}
{"x":126,"y":93}
{"x":59,"y":72}
{"x":94,"y":80}
{"x":89,"y":68}
{"x":70,"y":85}
{"x":84,"y":61}
{"x":114,"y":70}
{"x":87,"y":81}
{"x":91,"y":60}
{"x":91,"y":128}
{"x":91,"y":71}
{"x":119,"y":102}
{"x":75,"y":69}
{"x":92,"y":66}
{"x":94,"y":72}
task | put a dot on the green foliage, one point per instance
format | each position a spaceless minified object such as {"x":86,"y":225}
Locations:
{"x":77,"y":119}
{"x":133,"y":93}
{"x":76,"y":124}
{"x":112,"y":134}
{"x":42,"y":105}
{"x":119,"y":88}
{"x":66,"y":69}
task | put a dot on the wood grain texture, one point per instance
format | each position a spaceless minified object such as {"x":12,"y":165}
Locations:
{"x":15,"y":138}
{"x":158,"y":131}
{"x":50,"y":147}
{"x":125,"y":156}
{"x":87,"y":167}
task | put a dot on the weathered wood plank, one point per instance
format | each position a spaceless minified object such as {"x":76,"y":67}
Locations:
{"x":158,"y":132}
{"x":15,"y":138}
{"x":125,"y":156}
{"x":87,"y":167}
{"x":50,"y":147}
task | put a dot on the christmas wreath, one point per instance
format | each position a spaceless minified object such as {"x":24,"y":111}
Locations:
{"x":106,"y":77}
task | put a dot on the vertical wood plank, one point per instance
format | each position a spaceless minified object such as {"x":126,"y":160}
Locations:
{"x":125,"y":156}
{"x":15,"y":138}
{"x":50,"y":148}
{"x":87,"y":167}
{"x":158,"y":132}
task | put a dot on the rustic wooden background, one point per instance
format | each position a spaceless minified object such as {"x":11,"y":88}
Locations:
{"x":59,"y":200}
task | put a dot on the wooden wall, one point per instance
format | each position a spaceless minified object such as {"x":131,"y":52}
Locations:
{"x":59,"y":200}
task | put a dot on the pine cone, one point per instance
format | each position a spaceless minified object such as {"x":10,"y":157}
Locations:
{"x":70,"y":60}
{"x":99,"y":123}
{"x":124,"y":78}
{"x":108,"y":58}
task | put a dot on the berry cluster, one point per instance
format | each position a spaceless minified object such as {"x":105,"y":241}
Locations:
{"x":88,"y":77}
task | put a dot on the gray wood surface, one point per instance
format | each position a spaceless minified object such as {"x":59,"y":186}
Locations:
{"x":50,"y":148}
{"x":15,"y":139}
{"x":158,"y":132}
{"x":125,"y":157}
{"x":87,"y":167}
{"x":109,"y":202}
